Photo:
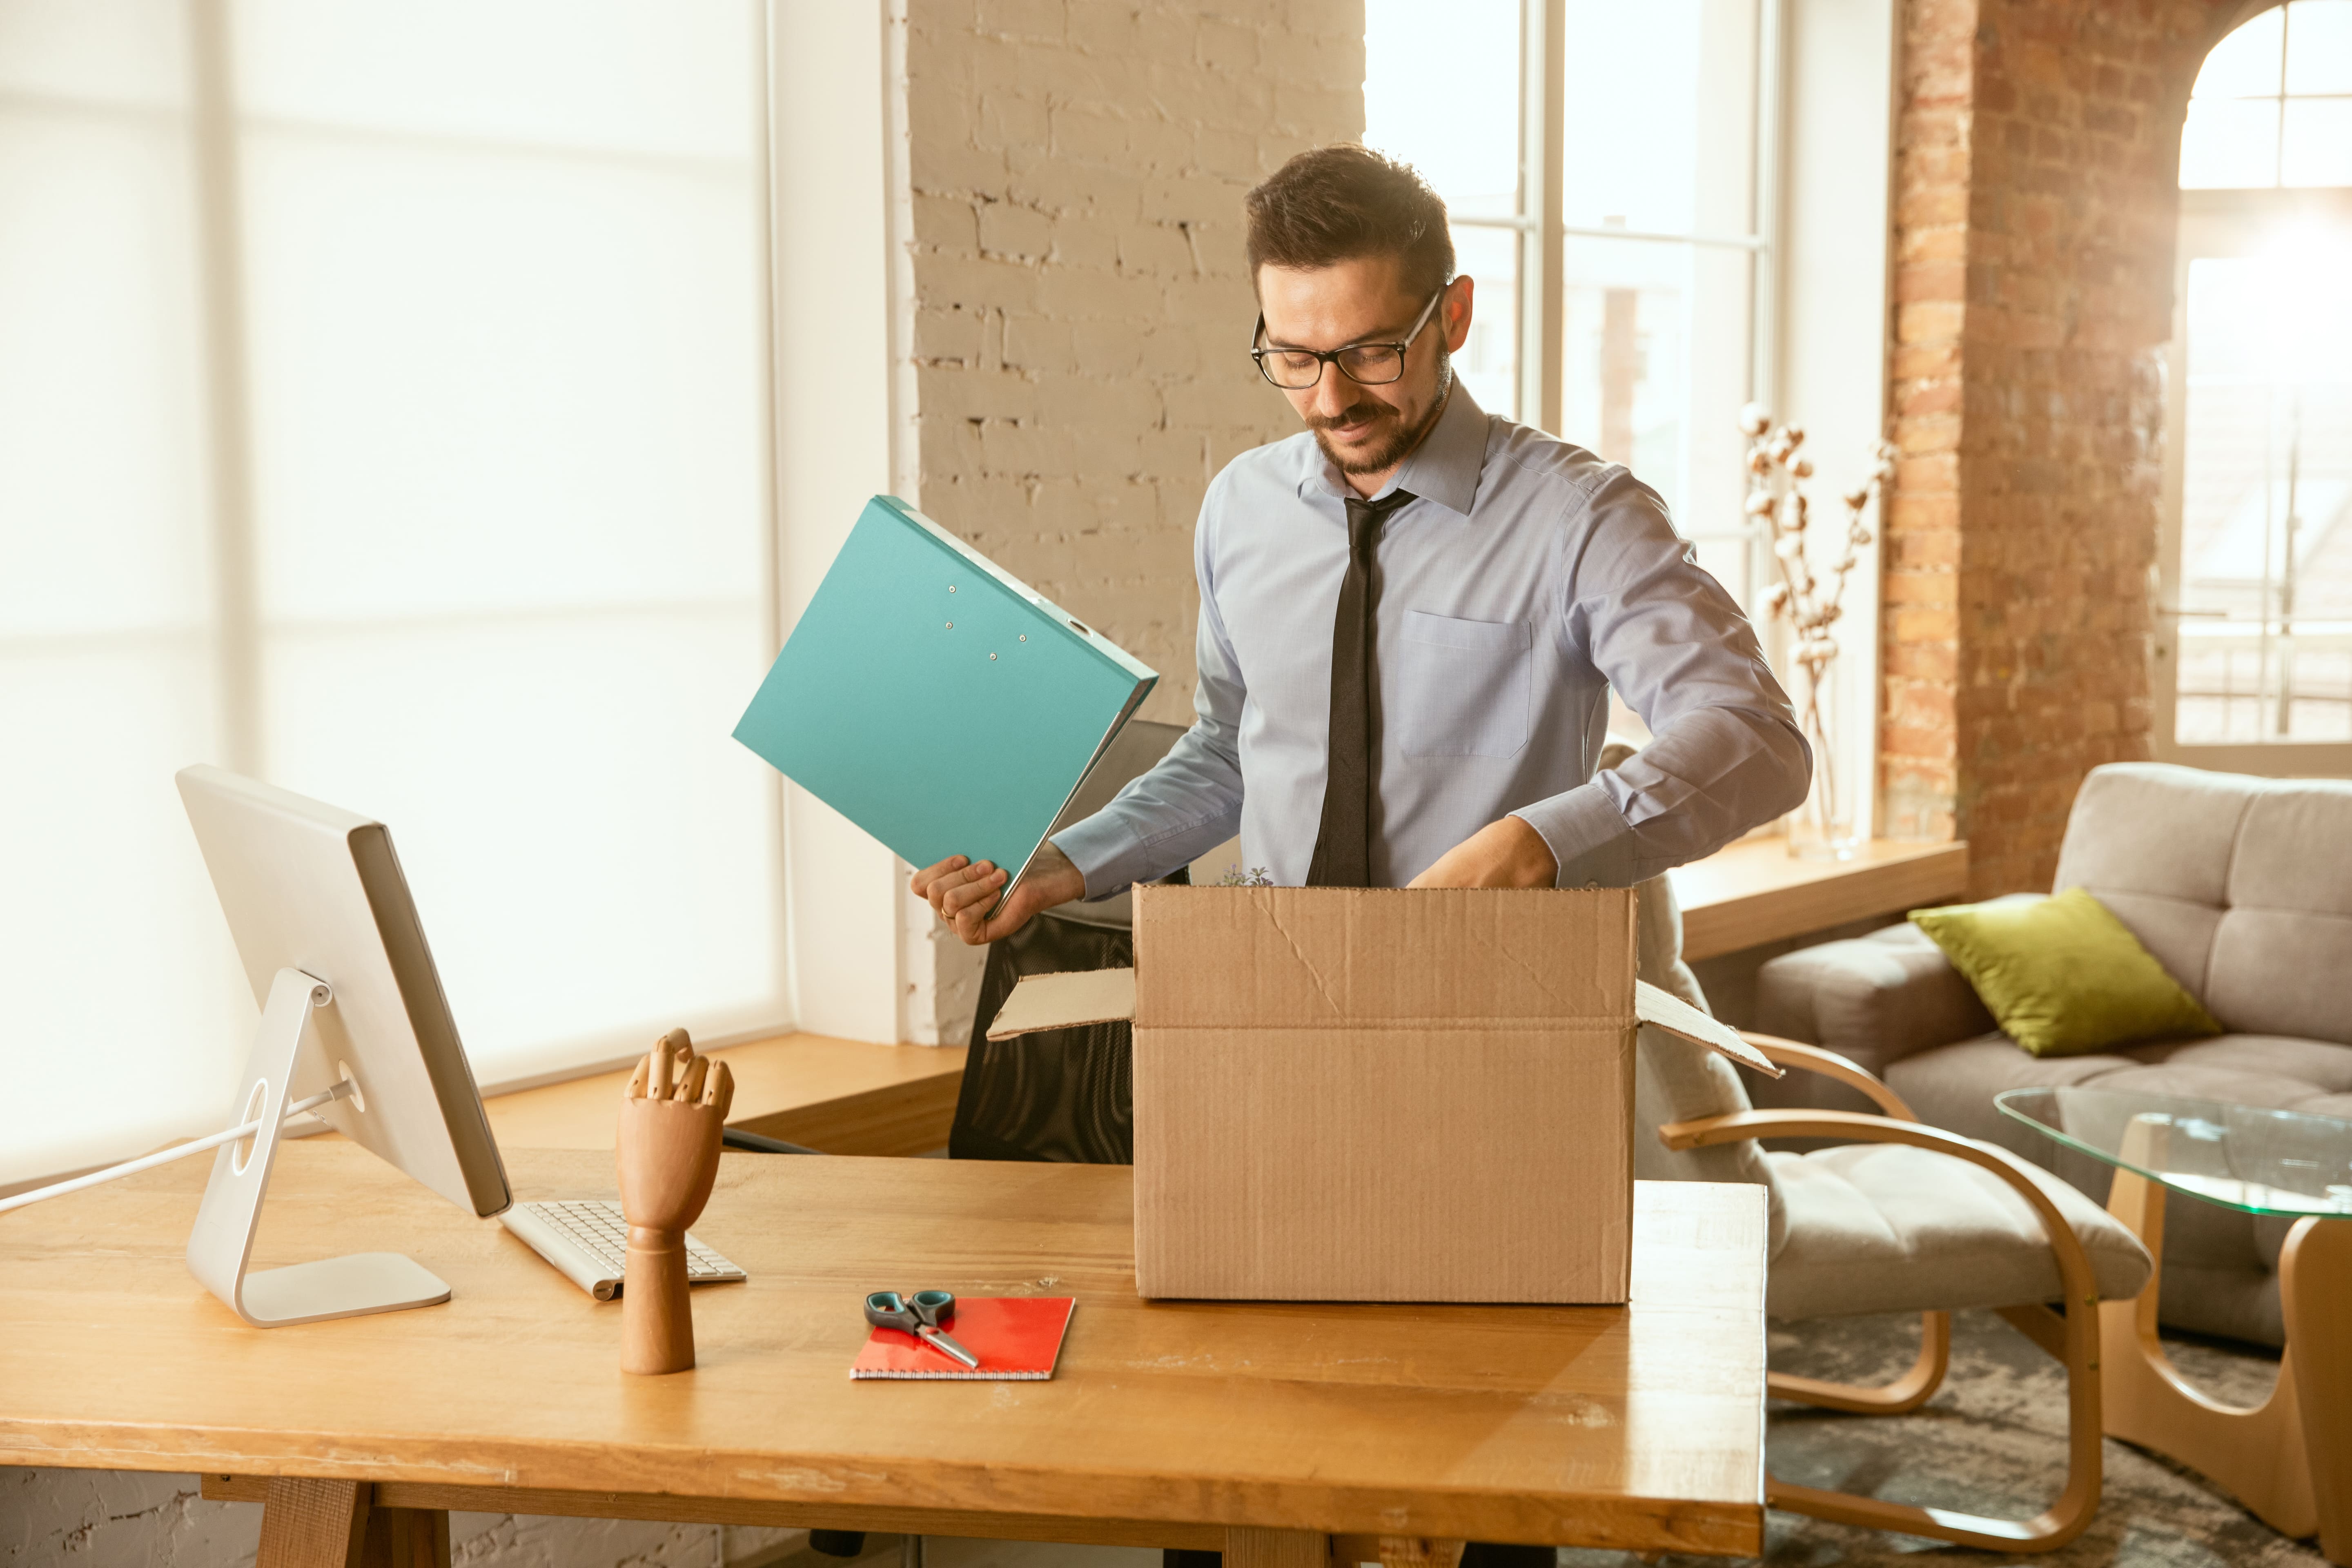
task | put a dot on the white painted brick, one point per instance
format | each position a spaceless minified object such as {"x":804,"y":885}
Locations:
{"x":1126,"y":382}
{"x":1023,"y":19}
{"x":1010,"y":119}
{"x":1017,"y":232}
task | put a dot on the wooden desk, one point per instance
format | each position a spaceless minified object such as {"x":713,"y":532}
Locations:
{"x":1260,"y":1428}
{"x":1755,"y":891}
{"x":845,"y":1097}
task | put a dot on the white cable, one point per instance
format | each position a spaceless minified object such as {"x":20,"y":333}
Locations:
{"x":177,"y":1152}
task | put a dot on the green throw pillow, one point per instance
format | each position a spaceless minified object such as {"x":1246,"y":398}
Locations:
{"x":2061,"y":975}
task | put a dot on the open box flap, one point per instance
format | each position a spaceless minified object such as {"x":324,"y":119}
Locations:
{"x":1107,"y":997}
{"x":1065,"y":1002}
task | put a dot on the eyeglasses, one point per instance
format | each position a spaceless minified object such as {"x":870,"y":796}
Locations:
{"x":1366,"y":364}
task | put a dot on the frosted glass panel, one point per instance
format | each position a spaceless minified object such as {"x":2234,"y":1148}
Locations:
{"x":2273,"y":105}
{"x":2229,"y":144}
{"x":118,"y":53}
{"x":1463,"y":137}
{"x":486,"y":337}
{"x":103,"y":524}
{"x":592,"y":855}
{"x":487,"y":381}
{"x":605,"y":75}
{"x":126,"y":1017}
{"x":1488,"y":363}
{"x":2319,"y":53}
{"x":1658,"y":114}
{"x":2315,"y":143}
{"x":2246,"y":63}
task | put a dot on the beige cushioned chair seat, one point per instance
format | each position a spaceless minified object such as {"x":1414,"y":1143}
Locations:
{"x":1886,"y":1227}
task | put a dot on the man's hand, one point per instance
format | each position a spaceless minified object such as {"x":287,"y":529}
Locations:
{"x":1506,"y":853}
{"x":962,"y":890}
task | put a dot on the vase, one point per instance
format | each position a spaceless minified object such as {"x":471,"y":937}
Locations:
{"x":1824,"y":827}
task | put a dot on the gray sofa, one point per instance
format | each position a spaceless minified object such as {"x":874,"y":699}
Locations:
{"x":2243,"y":887}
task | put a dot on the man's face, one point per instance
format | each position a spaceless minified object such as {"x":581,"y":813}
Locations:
{"x":1364,"y":429}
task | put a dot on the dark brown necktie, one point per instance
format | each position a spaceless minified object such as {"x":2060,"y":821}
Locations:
{"x":1343,"y":846}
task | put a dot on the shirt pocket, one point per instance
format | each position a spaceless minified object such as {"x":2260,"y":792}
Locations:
{"x":1464,"y":688}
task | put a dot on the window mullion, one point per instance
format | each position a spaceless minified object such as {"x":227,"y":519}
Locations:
{"x":1543,"y":26}
{"x":237,"y":632}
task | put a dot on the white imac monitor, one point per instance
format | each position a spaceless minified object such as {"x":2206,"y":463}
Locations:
{"x":337,"y":959}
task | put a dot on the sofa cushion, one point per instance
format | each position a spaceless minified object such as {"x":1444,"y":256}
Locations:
{"x":2240,"y":887}
{"x":2282,"y":971}
{"x":1874,"y":999}
{"x":1886,"y":1227}
{"x":1954,"y":1087}
{"x":2062,"y":974}
{"x":2154,"y":842}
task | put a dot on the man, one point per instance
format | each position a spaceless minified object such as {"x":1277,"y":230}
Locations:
{"x":1411,"y":615}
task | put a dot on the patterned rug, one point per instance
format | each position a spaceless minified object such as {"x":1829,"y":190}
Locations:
{"x":1992,"y":1441}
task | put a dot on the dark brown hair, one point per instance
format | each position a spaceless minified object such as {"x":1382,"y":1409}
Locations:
{"x":1337,"y":204}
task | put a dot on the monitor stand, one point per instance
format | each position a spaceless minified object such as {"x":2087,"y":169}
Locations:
{"x":222,"y":1241}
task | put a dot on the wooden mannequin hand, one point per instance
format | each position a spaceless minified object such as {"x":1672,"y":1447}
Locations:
{"x":671,"y":1119}
{"x":1504,"y":854}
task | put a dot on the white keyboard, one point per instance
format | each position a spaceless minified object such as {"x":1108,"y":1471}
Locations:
{"x":588,"y":1241}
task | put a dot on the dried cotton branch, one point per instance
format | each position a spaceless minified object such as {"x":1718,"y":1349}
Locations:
{"x":1810,"y":601}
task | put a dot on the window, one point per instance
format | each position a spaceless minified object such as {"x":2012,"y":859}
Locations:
{"x":383,"y":412}
{"x":2255,"y":650}
{"x":1616,"y":236}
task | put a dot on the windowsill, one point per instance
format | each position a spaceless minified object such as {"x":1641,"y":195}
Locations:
{"x":1755,"y":891}
{"x":845,"y":1097}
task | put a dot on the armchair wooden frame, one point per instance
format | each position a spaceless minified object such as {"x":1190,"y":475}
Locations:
{"x":2072,"y":1337}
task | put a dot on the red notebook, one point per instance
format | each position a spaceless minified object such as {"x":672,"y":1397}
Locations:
{"x":1014,"y":1336}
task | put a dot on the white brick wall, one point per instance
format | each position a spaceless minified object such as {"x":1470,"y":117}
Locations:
{"x":1076,"y":173}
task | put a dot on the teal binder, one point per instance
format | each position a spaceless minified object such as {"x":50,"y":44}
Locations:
{"x":938,"y":701}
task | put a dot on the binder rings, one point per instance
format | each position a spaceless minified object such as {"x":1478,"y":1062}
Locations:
{"x":935,"y":700}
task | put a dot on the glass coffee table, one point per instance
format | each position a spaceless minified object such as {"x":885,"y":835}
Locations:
{"x":2290,"y":1459}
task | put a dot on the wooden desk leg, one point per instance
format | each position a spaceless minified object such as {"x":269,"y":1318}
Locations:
{"x":2314,"y":1284}
{"x":1277,"y":1549}
{"x":334,"y":1524}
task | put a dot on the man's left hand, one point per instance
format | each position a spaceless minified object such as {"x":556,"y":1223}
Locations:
{"x":1506,"y":853}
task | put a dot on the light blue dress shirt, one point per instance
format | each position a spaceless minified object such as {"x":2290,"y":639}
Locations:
{"x":1526,"y":578}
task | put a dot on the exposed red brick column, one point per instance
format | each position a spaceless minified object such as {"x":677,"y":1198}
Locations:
{"x":2036,"y":161}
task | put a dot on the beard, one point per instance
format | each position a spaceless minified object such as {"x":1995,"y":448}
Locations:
{"x":1390,"y":437}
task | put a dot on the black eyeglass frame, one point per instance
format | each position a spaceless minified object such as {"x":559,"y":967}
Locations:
{"x":1331,"y":356}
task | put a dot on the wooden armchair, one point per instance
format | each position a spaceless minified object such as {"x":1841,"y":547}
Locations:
{"x":1900,"y":1216}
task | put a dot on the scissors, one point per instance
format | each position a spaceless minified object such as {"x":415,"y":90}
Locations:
{"x":920,"y":1314}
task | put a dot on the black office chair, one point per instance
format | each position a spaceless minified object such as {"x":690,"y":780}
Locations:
{"x":1061,"y":1094}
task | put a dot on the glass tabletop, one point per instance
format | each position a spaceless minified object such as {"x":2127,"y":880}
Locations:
{"x":2239,"y":1156}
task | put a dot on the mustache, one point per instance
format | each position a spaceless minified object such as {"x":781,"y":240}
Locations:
{"x":1355,"y":416}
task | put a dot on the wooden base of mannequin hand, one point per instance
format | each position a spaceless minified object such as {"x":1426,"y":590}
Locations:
{"x":671,"y":1119}
{"x":656,"y":1320}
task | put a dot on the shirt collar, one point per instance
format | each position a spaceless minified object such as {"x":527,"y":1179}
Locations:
{"x":1443,"y":468}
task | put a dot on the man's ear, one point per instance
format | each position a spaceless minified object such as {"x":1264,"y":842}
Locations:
{"x":1456,"y":311}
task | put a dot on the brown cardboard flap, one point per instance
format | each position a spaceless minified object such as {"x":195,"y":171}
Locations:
{"x":1676,"y":1016}
{"x":1240,"y":958}
{"x":1066,"y":1001}
{"x":1107,"y":995}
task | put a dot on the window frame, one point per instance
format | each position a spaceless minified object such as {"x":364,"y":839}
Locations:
{"x":2218,"y":223}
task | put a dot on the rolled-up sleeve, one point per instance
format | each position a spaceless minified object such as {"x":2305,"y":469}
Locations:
{"x":1726,"y":755}
{"x":1191,"y":801}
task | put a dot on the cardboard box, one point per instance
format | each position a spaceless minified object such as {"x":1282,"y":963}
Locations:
{"x":1379,"y":1095}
